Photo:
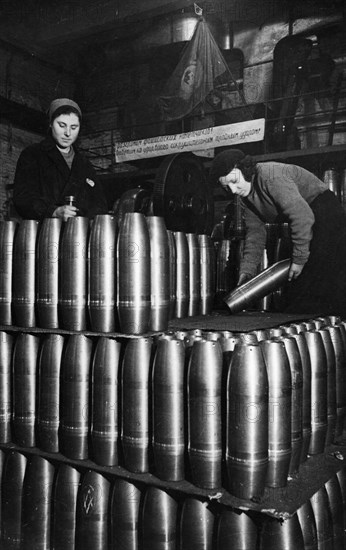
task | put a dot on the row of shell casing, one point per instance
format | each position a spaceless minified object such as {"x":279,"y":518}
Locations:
{"x":242,"y":412}
{"x":83,"y":274}
{"x":305,"y":366}
{"x":318,"y":523}
{"x":58,"y":506}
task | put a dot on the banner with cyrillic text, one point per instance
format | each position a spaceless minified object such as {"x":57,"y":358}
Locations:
{"x":207,"y":138}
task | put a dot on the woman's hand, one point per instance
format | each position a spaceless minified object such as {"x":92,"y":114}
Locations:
{"x":243,"y":278}
{"x":295,"y":271}
{"x":65,"y":212}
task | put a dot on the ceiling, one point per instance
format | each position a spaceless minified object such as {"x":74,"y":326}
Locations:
{"x":61,"y":31}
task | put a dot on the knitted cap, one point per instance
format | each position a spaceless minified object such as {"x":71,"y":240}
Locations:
{"x":223,"y":163}
{"x":62,"y":102}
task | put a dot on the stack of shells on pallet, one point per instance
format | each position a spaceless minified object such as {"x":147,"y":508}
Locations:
{"x":218,"y":410}
{"x":240,"y":412}
{"x":95,"y":275}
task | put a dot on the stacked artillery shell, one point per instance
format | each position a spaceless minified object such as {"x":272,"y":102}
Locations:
{"x":331,"y":385}
{"x":47,"y":291}
{"x":133,"y":274}
{"x":196,"y":525}
{"x":73,"y":274}
{"x":7,"y":234}
{"x":332,"y":320}
{"x":318,"y":323}
{"x":74,"y":407}
{"x":288,"y":331}
{"x":306,"y":413}
{"x":340,"y":375}
{"x":263,"y":284}
{"x":332,"y":178}
{"x":37,"y":500}
{"x":307,"y":522}
{"x":104,"y":423}
{"x":280,"y":412}
{"x":172,"y":273}
{"x":336,"y":508}
{"x":24,"y":258}
{"x":212,"y":335}
{"x":194,"y":274}
{"x":182,"y":284}
{"x":48,"y":417}
{"x":102,"y":273}
{"x":207,"y":259}
{"x":323,"y":518}
{"x":204,"y":379}
{"x":341,"y":475}
{"x":343,"y":188}
{"x":6,"y":350}
{"x":159,"y":273}
{"x":275,"y":332}
{"x":318,"y":362}
{"x":92,"y":512}
{"x":261,"y":334}
{"x":125,"y":501}
{"x":298,"y":327}
{"x":135,"y":382}
{"x":265,"y":302}
{"x":2,"y":462}
{"x":247,"y":422}
{"x":223,"y":268}
{"x":295,"y":363}
{"x":158,"y":520}
{"x":64,"y":507}
{"x":25,"y":359}
{"x":307,"y":325}
{"x":168,"y":409}
{"x":189,"y":341}
{"x":228,"y":342}
{"x":236,"y":530}
{"x":277,"y":535}
{"x":12,"y":500}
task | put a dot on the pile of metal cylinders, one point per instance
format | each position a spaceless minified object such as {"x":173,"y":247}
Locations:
{"x":241,"y":411}
{"x":318,"y":523}
{"x":51,"y":505}
{"x":61,"y":507}
{"x":93,"y":275}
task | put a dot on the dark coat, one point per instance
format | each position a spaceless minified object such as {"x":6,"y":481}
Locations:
{"x":43,"y":180}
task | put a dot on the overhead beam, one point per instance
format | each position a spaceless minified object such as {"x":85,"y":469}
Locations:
{"x":58,"y":21}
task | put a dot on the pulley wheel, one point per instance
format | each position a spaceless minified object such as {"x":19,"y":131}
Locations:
{"x":182,"y":195}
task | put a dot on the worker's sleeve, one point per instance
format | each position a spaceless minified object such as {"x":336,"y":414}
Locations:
{"x":255,"y":240}
{"x":27,"y":197}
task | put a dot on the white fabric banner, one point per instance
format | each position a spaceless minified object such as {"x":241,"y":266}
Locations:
{"x":197,"y":140}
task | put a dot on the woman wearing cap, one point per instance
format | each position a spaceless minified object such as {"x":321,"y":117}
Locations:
{"x":276,"y":192}
{"x":49,"y":171}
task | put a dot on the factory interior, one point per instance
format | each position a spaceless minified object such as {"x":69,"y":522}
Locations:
{"x":172,"y":275}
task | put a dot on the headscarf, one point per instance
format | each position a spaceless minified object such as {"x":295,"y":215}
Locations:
{"x":62,"y":102}
{"x":224,"y":163}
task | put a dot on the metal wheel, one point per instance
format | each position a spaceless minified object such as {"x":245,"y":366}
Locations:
{"x":182,"y":195}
